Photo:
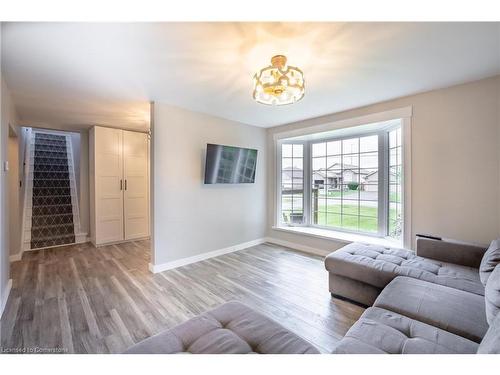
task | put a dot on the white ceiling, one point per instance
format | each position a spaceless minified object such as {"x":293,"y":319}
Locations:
{"x":79,"y":74}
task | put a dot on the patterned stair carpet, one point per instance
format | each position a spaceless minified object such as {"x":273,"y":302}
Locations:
{"x":52,"y":218}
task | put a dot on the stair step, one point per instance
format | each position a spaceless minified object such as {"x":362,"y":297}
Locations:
{"x":37,"y":167}
{"x":49,"y":156}
{"x":51,"y":149}
{"x":51,"y":153}
{"x":51,"y":237}
{"x":39,"y":175}
{"x":49,"y":136}
{"x":50,"y":161}
{"x":58,"y":219}
{"x":51,"y":191}
{"x":52,"y":179}
{"x":63,"y":229}
{"x":50,"y":143}
{"x":51,"y":201}
{"x":51,"y":183}
{"x":52,"y":210}
{"x":52,"y":241}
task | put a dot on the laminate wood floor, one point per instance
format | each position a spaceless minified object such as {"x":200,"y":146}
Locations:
{"x":82,"y":299}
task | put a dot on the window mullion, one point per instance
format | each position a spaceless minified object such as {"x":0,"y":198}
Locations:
{"x":307,"y":162}
{"x":383,"y":184}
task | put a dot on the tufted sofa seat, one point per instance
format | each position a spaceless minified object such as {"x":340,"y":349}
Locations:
{"x":360,"y":271}
{"x":453,"y":310}
{"x":379,"y":331}
{"x":413,"y":315}
{"x":231,"y":328}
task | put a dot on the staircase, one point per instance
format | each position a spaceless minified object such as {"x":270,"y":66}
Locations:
{"x":51,"y":216}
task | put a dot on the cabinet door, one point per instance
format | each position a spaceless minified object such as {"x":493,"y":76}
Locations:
{"x":136,"y":177}
{"x":109,"y":185}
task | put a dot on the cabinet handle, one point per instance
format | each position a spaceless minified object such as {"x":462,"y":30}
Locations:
{"x":125,"y":184}
{"x":121,"y":184}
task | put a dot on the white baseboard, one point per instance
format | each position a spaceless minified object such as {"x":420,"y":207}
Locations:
{"x":81,"y":238}
{"x":296,"y":246}
{"x":16,"y":257}
{"x":118,"y":242}
{"x":155,"y":268}
{"x":5,"y":297}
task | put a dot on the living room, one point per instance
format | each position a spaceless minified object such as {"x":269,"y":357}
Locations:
{"x":238,"y":187}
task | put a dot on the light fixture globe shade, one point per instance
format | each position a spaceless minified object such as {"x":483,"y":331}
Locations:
{"x":279,"y":83}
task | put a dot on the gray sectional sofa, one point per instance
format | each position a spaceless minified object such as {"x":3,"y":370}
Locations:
{"x":443,"y":299}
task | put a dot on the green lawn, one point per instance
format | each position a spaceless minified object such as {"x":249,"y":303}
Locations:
{"x":368,"y":220}
{"x":346,"y":215}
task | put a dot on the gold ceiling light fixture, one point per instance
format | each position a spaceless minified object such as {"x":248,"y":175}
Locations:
{"x":279,"y":83}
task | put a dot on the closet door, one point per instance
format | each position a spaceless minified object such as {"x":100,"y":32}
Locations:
{"x":136,"y":180}
{"x":108,"y":184}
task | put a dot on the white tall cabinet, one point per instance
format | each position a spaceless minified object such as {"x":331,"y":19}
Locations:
{"x":119,"y":185}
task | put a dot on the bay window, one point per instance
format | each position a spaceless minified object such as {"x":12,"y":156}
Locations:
{"x":350,"y":183}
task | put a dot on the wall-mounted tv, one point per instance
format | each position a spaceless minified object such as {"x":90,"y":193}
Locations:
{"x":230,"y":165}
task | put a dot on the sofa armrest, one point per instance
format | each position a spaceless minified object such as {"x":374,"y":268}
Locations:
{"x":450,"y":251}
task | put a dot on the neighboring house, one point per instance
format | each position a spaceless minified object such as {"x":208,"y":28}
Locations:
{"x":292,"y":179}
{"x":370,"y":182}
{"x":333,"y":176}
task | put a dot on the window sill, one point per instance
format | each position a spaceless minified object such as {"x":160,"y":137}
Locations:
{"x":340,"y":236}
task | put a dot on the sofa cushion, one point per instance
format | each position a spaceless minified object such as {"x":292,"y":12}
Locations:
{"x":491,"y":341}
{"x":230,"y":328}
{"x":453,"y":310}
{"x":378,"y":265}
{"x":492,"y":295}
{"x":490,"y":259}
{"x":383,"y":331}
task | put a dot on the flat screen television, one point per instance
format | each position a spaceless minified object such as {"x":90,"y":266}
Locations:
{"x":230,"y":165}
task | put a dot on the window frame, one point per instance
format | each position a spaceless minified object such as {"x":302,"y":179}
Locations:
{"x":402,"y":177}
{"x":381,"y":163}
{"x":383,"y":181}
{"x":305,"y":208}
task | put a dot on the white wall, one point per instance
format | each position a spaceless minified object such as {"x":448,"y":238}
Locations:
{"x":191,"y":218}
{"x":75,"y":145}
{"x":7,"y":116}
{"x":80,"y":145}
{"x":4,"y":270}
{"x":84,"y":182}
{"x":455,"y":157}
{"x":14,"y":194}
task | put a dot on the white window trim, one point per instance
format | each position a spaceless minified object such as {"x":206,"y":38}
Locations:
{"x":403,"y":114}
{"x":394,"y":114}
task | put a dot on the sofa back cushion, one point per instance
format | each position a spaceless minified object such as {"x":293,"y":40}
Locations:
{"x":492,"y":295}
{"x":490,"y":259}
{"x":491,"y":341}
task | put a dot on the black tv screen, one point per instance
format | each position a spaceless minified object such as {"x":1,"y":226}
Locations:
{"x":230,"y":165}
